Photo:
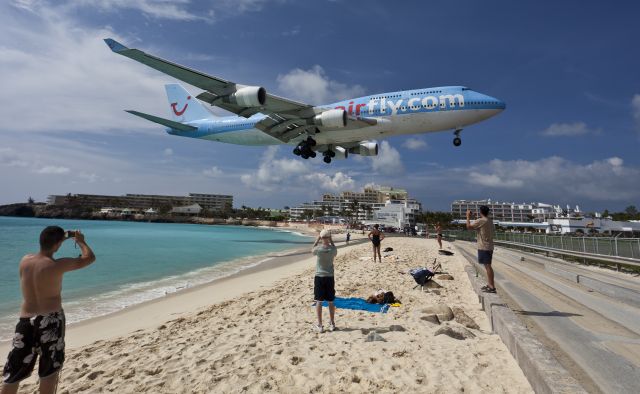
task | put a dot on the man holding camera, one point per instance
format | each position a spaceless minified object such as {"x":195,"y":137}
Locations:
{"x":41,"y":328}
{"x":323,"y":282}
{"x":484,"y":230}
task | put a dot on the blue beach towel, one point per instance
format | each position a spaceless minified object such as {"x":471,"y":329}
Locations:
{"x":358,"y":304}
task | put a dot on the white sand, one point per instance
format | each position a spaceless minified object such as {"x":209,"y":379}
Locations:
{"x":263,"y":340}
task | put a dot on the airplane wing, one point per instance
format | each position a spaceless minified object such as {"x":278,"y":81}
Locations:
{"x":286,"y":119}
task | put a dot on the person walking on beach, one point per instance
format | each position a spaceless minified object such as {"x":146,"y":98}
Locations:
{"x":41,"y":328}
{"x":439,"y":234}
{"x":323,"y":282}
{"x":348,"y":237}
{"x":376,"y":237}
{"x":484,"y":229}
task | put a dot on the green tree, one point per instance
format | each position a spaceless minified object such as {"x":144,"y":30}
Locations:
{"x":631,"y":210}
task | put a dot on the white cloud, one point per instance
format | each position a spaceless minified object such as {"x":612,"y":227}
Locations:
{"x":493,"y":180}
{"x":53,"y":170}
{"x":315,"y":87}
{"x":569,"y":129}
{"x":553,"y":179}
{"x":388,"y":160}
{"x":157,"y":9}
{"x":635,"y":108}
{"x":415,"y":143}
{"x":287,"y":174}
{"x":67,"y":76}
{"x":212,"y":172}
{"x":338,"y":182}
{"x":168,"y":152}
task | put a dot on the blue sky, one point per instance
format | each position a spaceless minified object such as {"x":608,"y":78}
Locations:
{"x":567,"y":71}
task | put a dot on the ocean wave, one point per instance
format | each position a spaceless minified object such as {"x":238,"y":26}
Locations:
{"x":87,"y":307}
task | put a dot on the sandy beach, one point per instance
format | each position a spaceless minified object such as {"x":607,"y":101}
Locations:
{"x":253,"y":333}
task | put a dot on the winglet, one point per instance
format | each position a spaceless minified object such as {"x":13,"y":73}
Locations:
{"x":115,"y":45}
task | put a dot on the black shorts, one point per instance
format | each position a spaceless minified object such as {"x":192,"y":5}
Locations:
{"x":36,"y":336}
{"x":324,"y":288}
{"x":485,"y":256}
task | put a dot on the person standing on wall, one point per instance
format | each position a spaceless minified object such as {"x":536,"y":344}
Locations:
{"x":484,"y":229}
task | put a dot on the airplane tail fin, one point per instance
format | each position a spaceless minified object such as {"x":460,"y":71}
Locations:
{"x":185,"y":107}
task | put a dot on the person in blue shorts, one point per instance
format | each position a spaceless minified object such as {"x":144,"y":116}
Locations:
{"x":485,"y":233}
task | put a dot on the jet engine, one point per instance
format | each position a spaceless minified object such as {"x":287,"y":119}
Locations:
{"x":340,"y":153}
{"x":248,"y":96}
{"x":365,"y":149}
{"x":333,"y":118}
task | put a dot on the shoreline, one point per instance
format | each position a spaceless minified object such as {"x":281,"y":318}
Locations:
{"x":254,"y":333}
{"x":260,"y":271}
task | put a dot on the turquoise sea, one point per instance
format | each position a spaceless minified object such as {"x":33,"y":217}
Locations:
{"x":135,"y":262}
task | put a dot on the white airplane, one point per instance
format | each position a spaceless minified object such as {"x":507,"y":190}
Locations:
{"x":335,"y":130}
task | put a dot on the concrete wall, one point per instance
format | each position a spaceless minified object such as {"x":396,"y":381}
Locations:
{"x":544,"y":372}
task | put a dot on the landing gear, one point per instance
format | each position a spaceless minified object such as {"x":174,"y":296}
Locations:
{"x":457,"y":141}
{"x":327,"y":159}
{"x":304,"y":148}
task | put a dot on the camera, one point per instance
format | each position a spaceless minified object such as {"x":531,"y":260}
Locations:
{"x":69,"y":234}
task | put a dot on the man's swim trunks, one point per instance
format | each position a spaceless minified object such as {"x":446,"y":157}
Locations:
{"x":36,"y":336}
{"x":375,"y":239}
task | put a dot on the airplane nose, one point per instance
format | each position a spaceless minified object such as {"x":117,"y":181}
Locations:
{"x":499,"y":104}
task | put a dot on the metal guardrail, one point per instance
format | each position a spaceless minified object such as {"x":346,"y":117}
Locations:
{"x":611,"y":249}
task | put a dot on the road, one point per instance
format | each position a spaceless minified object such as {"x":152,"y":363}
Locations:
{"x":596,"y":337}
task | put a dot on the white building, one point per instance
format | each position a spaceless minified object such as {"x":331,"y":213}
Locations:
{"x":397,"y":213}
{"x":360,"y":206}
{"x":514,"y":212}
{"x":193,"y":209}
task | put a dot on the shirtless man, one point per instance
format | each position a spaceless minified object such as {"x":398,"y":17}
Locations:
{"x":41,"y":328}
{"x":376,"y":237}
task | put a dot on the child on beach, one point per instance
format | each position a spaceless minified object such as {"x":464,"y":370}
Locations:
{"x":40,"y":330}
{"x":323,"y":283}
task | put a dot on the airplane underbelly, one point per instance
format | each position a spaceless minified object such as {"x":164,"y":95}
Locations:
{"x":244,"y":137}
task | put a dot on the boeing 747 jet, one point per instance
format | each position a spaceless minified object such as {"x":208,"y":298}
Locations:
{"x":335,"y":130}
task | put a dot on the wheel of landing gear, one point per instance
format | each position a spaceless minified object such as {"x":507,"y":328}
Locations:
{"x":304,"y":155}
{"x":297,"y":151}
{"x":312,"y":154}
{"x":332,"y":153}
{"x":457,"y":141}
{"x":327,"y":159}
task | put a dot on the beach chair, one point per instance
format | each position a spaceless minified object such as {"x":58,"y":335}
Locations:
{"x":421,"y":276}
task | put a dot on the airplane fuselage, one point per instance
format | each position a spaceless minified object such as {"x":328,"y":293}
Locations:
{"x":396,"y":113}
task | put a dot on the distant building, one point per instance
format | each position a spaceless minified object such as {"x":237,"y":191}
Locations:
{"x":397,"y":213}
{"x":189,"y":210}
{"x":514,"y":212}
{"x":210,"y":202}
{"x":359,"y":206}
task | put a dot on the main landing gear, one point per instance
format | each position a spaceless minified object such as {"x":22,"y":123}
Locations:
{"x":304,"y":148}
{"x":328,"y":154}
{"x":457,"y":141}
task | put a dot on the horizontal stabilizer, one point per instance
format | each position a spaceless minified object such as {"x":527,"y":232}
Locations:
{"x":163,"y":121}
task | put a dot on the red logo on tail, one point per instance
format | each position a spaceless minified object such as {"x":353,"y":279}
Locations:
{"x":175,"y":110}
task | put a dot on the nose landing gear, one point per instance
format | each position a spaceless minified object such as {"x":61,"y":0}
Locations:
{"x":457,"y":141}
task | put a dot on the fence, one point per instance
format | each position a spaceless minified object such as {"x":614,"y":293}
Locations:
{"x":605,"y":246}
